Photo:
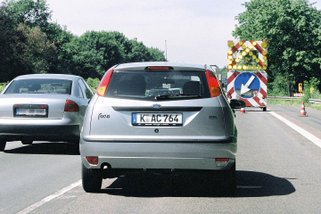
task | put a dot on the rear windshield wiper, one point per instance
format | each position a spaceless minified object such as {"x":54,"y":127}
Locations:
{"x":176,"y":96}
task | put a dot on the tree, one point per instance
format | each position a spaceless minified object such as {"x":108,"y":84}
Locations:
{"x":37,"y":50}
{"x":25,"y":45}
{"x":139,"y":52}
{"x":8,"y":54}
{"x":94,"y":52}
{"x":30,"y":12}
{"x":31,"y":43}
{"x":292,"y":29}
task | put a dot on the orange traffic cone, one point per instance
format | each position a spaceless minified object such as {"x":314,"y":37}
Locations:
{"x":242,"y":110}
{"x":303,"y":112}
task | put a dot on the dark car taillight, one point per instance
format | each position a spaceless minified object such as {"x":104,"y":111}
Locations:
{"x":213,"y":84}
{"x":159,"y":68}
{"x":103,"y":85}
{"x":71,"y":106}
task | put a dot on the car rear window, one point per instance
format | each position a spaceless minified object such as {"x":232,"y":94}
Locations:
{"x":158,"y":85}
{"x":39,"y":86}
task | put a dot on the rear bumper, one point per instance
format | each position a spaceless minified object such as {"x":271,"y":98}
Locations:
{"x":39,"y":132}
{"x":158,"y":155}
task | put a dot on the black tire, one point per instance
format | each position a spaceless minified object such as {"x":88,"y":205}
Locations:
{"x":91,"y":179}
{"x":230,"y":179}
{"x":222,"y":183}
{"x":26,"y":142}
{"x":264,"y":108}
{"x":2,"y":145}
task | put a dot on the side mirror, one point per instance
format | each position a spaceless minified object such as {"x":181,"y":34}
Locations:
{"x":237,"y":104}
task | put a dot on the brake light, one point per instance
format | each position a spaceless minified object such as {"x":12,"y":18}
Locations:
{"x":213,"y":84}
{"x":159,"y":68}
{"x":103,"y":85}
{"x":71,"y":106}
{"x":222,"y":161}
{"x":93,"y":160}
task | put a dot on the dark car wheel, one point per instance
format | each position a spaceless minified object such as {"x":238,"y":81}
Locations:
{"x":91,"y":179}
{"x":223,"y":182}
{"x":2,"y":145}
{"x":230,"y":179}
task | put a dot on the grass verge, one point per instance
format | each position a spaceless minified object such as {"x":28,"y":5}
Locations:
{"x":296,"y":102}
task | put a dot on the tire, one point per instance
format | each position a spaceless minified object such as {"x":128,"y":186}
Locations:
{"x":91,"y":179}
{"x":222,"y":183}
{"x":230,"y":179}
{"x":26,"y":142}
{"x":264,"y":108}
{"x":2,"y":145}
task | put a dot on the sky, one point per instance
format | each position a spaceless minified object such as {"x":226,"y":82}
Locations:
{"x":189,"y":31}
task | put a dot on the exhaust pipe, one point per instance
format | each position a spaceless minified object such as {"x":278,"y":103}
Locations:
{"x":105,"y":166}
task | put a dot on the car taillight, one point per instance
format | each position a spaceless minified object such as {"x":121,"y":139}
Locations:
{"x":103,"y":85}
{"x":71,"y":106}
{"x":213,"y":84}
{"x":222,"y":161}
{"x":93,"y":160}
{"x":159,"y":68}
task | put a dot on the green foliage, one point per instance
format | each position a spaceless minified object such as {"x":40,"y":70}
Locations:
{"x":279,"y":86}
{"x":37,"y":49}
{"x":2,"y":85}
{"x":25,"y":45}
{"x":310,"y":89}
{"x":92,"y":53}
{"x":31,"y":43}
{"x":293,"y":31}
{"x":93,"y":83}
{"x":280,"y":101}
{"x":30,"y":12}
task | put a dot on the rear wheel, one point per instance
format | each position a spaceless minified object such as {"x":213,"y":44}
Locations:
{"x":2,"y":145}
{"x":91,"y":179}
{"x":223,"y":182}
{"x":230,"y":179}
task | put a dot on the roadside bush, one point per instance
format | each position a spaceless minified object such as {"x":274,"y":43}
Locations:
{"x":310,"y":89}
{"x":279,"y":86}
{"x":2,"y":85}
{"x":93,"y":83}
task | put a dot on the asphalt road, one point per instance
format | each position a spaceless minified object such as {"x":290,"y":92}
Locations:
{"x":278,"y":171}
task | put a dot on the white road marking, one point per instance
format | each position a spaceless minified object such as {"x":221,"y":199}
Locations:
{"x":50,"y":198}
{"x":298,"y":129}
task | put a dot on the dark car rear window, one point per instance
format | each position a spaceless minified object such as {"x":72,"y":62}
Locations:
{"x":40,"y":86}
{"x":158,"y":85}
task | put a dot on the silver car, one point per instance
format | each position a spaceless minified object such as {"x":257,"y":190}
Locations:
{"x":43,"y":107}
{"x":157,"y":116}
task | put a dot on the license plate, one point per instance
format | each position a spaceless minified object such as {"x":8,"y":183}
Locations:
{"x":30,"y":110}
{"x":157,"y":119}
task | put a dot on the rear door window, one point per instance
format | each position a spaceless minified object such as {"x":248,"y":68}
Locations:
{"x":158,"y":85}
{"x":85,"y":89}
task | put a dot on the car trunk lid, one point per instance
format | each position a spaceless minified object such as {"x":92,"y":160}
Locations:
{"x":120,"y":120}
{"x":35,"y":106}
